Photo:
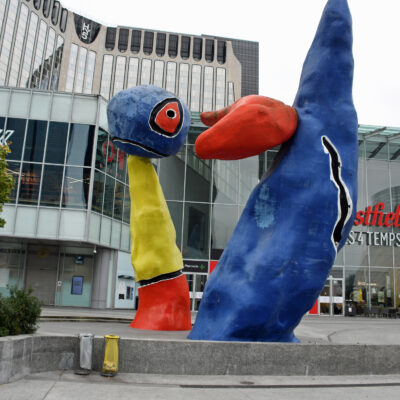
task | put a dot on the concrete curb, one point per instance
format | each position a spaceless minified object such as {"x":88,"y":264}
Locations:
{"x":26,"y":354}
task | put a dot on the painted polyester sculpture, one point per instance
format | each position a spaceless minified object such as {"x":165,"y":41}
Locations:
{"x":148,"y":122}
{"x":299,"y":215}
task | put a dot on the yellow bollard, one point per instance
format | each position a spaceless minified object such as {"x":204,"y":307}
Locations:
{"x":110,"y":363}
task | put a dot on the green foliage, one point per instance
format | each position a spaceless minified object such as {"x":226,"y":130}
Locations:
{"x":19,"y":312}
{"x":6,"y":182}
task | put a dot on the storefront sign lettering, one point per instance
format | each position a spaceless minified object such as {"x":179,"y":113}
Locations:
{"x":374,"y":238}
{"x":374,"y":216}
{"x":5,"y":136}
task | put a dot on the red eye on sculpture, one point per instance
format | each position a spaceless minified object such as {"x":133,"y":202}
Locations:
{"x":166,"y":117}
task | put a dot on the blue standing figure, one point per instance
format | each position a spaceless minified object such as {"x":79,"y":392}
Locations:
{"x":299,"y":216}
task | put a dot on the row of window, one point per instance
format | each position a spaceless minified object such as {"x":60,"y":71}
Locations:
{"x":80,"y":72}
{"x":49,"y":142}
{"x":58,"y":14}
{"x":30,"y":57}
{"x":202,"y":88}
{"x":146,"y":40}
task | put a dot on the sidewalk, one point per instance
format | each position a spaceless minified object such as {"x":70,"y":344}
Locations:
{"x":67,"y":386}
{"x":312,"y":329}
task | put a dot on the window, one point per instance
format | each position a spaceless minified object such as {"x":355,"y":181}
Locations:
{"x":46,"y":7}
{"x":14,"y":168}
{"x":185,"y":47}
{"x":119,"y":76}
{"x":208,"y":88}
{"x":80,"y":145}
{"x":7,"y":39}
{"x":51,"y":185}
{"x":148,"y":43}
{"x":109,"y":196}
{"x":35,"y":76}
{"x":98,"y":192}
{"x":80,"y":70}
{"x":195,"y":90}
{"x":47,"y":64}
{"x":220,"y":89}
{"x":36,"y":4}
{"x":76,"y":187}
{"x":110,"y":38}
{"x":55,"y":14}
{"x":29,"y":47}
{"x":171,"y":77}
{"x":35,"y":139}
{"x":123,"y":39}
{"x":16,"y":140}
{"x":136,"y":41}
{"x":160,"y":45}
{"x":173,"y":46}
{"x":63,"y":20}
{"x":121,"y":165}
{"x":158,"y":73}
{"x":69,"y":85}
{"x":127,"y":206}
{"x":133,"y":72}
{"x":30,"y":183}
{"x":57,"y":63}
{"x":231,"y":93}
{"x":101,"y":149}
{"x":183,"y":82}
{"x":197,"y":48}
{"x":221,"y":51}
{"x":146,"y":72}
{"x":56,"y":142}
{"x":18,"y":45}
{"x":106,"y":76}
{"x":89,"y":72}
{"x":209,"y":50}
{"x":118,"y":200}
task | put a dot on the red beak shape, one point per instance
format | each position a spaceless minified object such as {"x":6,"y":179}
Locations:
{"x":248,"y":127}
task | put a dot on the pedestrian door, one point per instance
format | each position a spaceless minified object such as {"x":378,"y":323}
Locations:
{"x":331,"y":299}
{"x":196,"y":284}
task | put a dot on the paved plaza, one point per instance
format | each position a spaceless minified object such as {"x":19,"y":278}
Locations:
{"x":63,"y":385}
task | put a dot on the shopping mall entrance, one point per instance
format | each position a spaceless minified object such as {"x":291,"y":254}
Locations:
{"x":331,"y":299}
{"x":60,"y":276}
{"x":196,"y":284}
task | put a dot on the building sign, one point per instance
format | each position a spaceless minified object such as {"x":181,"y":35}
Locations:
{"x":195,"y":266}
{"x":86,"y":29}
{"x":5,"y":136}
{"x":77,"y":285}
{"x":375,"y":217}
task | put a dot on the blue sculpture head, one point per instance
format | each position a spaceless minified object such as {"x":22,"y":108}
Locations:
{"x":148,"y":121}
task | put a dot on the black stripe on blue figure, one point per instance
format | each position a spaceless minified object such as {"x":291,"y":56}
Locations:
{"x":299,"y":216}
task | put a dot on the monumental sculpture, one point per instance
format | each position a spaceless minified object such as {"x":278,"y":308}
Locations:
{"x":299,"y":215}
{"x":147,"y":122}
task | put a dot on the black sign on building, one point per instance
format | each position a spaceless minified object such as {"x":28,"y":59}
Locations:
{"x":86,"y":29}
{"x":196,"y":266}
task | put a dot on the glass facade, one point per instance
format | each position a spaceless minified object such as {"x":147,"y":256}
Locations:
{"x":56,"y":157}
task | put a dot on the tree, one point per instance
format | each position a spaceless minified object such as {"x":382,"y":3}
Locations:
{"x":6,"y":180}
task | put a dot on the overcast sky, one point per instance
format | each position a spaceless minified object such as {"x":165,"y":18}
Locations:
{"x":284,"y":30}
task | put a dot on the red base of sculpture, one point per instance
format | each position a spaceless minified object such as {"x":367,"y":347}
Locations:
{"x":164,"y":306}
